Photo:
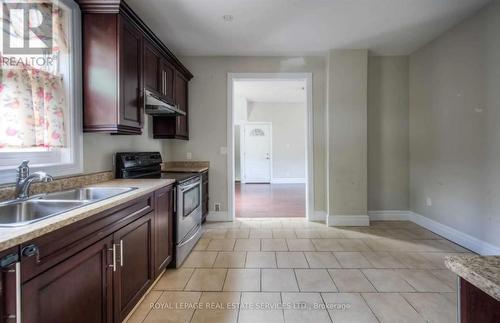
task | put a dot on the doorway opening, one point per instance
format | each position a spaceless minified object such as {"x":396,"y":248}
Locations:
{"x":269,"y":145}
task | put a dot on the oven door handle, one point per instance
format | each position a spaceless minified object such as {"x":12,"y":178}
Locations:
{"x":194,"y":231}
{"x":188,"y":187}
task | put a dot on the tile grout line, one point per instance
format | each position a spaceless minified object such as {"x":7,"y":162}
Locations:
{"x":368,"y":305}
{"x":150,"y":309}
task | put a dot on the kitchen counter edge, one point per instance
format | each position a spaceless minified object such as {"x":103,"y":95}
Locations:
{"x":11,"y":237}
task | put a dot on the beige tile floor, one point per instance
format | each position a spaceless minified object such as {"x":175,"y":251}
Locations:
{"x":289,"y":270}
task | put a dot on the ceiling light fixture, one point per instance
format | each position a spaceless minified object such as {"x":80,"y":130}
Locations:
{"x":228,"y":18}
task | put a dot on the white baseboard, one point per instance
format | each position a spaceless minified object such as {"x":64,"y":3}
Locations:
{"x":348,"y":220}
{"x":472,"y":243}
{"x":467,"y":241}
{"x":389,"y":215}
{"x":288,"y":181}
{"x":318,"y":216}
{"x":219,"y":216}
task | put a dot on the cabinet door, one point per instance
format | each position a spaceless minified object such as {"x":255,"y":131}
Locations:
{"x":77,"y":290}
{"x":181,"y":99}
{"x":134,"y":268}
{"x":8,"y":282}
{"x":131,"y":96}
{"x":164,"y":208}
{"x":167,"y":80}
{"x":152,"y":59}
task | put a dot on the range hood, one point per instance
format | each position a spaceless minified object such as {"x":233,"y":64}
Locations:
{"x":157,"y":106}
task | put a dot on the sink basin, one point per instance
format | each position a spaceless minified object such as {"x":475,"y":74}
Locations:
{"x":87,"y":193}
{"x":19,"y":213}
{"x":22,"y":212}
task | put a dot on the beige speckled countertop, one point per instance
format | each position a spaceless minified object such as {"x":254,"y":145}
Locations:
{"x":185,"y":166}
{"x":481,"y":271}
{"x":10,"y":237}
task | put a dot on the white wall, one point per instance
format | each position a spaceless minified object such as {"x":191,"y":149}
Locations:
{"x":455,"y":127}
{"x":347,"y":137}
{"x":240,"y":105}
{"x":208,"y":114}
{"x":99,"y":149}
{"x":388,"y":133}
{"x":289,"y":137}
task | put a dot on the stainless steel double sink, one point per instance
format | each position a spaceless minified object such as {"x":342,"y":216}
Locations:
{"x":22,"y":212}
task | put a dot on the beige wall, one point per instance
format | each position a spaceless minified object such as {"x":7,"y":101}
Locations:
{"x":99,"y":149}
{"x":388,"y":142}
{"x":455,"y":127}
{"x":347,"y":133}
{"x":208,"y":110}
{"x":288,"y":135}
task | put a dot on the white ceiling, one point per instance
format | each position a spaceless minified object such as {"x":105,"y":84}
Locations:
{"x":300,"y":27}
{"x":275,"y":91}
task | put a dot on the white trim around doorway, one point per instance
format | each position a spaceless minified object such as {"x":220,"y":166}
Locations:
{"x":309,"y":180}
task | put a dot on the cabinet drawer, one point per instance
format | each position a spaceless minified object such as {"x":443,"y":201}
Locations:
{"x":52,"y":248}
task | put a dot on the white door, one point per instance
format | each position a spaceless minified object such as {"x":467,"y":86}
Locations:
{"x":257,"y":152}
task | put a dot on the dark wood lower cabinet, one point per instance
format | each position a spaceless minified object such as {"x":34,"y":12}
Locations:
{"x":8,"y":261}
{"x":164,"y":207}
{"x":205,"y":196}
{"x":134,"y":265}
{"x":94,"y":270}
{"x":78,"y":290}
{"x":476,"y":306}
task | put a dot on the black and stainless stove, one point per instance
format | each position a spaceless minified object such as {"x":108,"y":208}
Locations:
{"x":188,"y":208}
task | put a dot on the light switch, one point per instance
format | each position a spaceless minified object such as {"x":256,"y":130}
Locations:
{"x":223,"y":150}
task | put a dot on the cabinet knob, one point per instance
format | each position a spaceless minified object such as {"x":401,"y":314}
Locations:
{"x":30,"y":251}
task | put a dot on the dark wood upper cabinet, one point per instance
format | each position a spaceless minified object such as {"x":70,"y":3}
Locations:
{"x":77,"y":290}
{"x":131,"y":114}
{"x":152,"y":63}
{"x":121,"y":58}
{"x":164,"y":206}
{"x":112,"y":72}
{"x":167,"y":77}
{"x":175,"y":127}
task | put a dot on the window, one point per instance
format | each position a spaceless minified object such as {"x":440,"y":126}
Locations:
{"x":40,"y":87}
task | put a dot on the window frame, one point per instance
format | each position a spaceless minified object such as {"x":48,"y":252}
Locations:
{"x":44,"y":161}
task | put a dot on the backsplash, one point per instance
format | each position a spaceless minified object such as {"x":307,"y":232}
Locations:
{"x":59,"y":184}
{"x":189,"y":163}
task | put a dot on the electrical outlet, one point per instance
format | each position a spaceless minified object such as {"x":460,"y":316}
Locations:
{"x":216,"y":207}
{"x":189,"y":155}
{"x":428,"y":201}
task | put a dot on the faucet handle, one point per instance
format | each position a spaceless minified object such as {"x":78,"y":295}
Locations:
{"x":23,"y":170}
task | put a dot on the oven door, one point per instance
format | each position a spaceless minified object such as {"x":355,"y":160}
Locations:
{"x":188,"y":208}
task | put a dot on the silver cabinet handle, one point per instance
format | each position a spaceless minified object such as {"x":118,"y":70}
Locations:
{"x":121,"y":253}
{"x":113,"y":265}
{"x":18,"y":292}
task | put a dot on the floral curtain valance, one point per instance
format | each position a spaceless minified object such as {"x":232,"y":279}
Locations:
{"x":32,"y":98}
{"x":32,"y":106}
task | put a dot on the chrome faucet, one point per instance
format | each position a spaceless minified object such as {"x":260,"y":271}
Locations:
{"x":24,"y":179}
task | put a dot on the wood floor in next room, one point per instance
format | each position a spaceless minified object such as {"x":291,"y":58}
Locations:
{"x":290,"y":270}
{"x":270,"y":200}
